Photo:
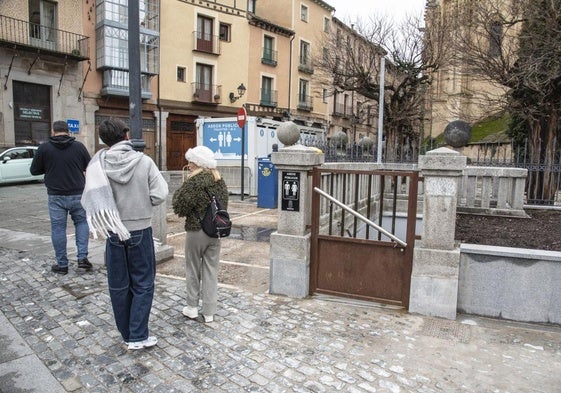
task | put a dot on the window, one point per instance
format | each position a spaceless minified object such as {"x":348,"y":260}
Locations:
{"x":42,"y":18}
{"x":326,"y":25}
{"x":203,"y":83}
{"x":303,"y":13}
{"x":251,"y":6}
{"x":324,"y":95}
{"x":181,"y":74}
{"x":224,"y":32}
{"x":304,"y":98}
{"x":304,"y":53}
{"x":269,"y":55}
{"x":267,"y":93}
{"x":204,"y":34}
{"x":495,"y":39}
{"x":303,"y":90}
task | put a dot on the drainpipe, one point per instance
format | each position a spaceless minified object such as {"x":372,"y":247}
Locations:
{"x":290,"y":76}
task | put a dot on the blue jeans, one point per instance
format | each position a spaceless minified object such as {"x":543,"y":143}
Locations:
{"x":131,"y":270}
{"x":59,"y":208}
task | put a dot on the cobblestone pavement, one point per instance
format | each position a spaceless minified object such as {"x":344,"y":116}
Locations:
{"x":57,"y":332}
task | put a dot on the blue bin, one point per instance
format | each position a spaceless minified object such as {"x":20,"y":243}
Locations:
{"x":267,"y":184}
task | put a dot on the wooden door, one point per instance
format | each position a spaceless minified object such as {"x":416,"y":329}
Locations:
{"x":181,"y":136}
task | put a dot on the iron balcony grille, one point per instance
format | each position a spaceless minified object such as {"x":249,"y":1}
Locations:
{"x":206,"y":93}
{"x":206,"y":43}
{"x":269,"y":57}
{"x":305,"y":103}
{"x":268,"y":98}
{"x":33,"y":36}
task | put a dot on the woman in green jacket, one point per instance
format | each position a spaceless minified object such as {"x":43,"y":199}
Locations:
{"x":202,"y":253}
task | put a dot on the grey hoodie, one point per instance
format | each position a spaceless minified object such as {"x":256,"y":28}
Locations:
{"x":136,"y":182}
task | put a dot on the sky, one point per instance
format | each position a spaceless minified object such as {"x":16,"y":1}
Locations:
{"x":396,"y":9}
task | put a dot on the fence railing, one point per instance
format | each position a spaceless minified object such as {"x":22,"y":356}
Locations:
{"x":542,"y":183}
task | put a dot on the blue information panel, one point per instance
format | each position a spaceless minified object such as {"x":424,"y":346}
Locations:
{"x":224,"y":139}
{"x":73,"y":125}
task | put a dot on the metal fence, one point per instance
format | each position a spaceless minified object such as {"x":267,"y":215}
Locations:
{"x":543,"y":184}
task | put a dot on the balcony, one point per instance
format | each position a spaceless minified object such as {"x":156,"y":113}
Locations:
{"x":206,"y":43}
{"x":339,"y":110}
{"x":268,"y":98}
{"x":116,"y":83}
{"x":207,"y":94}
{"x":305,"y":65}
{"x":269,"y":57}
{"x":20,"y":34}
{"x":305,"y":103}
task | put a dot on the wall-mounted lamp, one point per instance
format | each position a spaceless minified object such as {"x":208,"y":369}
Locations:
{"x":241,"y":92}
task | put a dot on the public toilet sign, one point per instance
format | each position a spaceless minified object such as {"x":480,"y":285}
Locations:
{"x":242,"y":117}
{"x":290,"y":191}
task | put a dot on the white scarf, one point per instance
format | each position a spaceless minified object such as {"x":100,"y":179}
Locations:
{"x":99,"y":203}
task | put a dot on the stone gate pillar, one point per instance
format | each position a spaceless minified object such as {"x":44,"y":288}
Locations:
{"x":436,"y":261}
{"x":290,"y":244}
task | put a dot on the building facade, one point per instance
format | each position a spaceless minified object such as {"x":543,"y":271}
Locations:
{"x":42,"y":51}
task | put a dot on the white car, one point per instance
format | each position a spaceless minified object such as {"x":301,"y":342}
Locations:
{"x":15,"y":163}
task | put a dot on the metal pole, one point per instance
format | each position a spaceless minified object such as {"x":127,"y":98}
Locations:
{"x":243,"y":160}
{"x":381,"y":109}
{"x":135,"y":94}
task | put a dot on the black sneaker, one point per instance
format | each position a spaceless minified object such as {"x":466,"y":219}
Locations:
{"x":59,"y":269}
{"x":84,"y":264}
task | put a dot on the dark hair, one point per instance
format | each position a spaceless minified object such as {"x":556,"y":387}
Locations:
{"x":112,"y":131}
{"x":60,"y":126}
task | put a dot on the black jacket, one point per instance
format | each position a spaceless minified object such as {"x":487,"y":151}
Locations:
{"x":63,"y":160}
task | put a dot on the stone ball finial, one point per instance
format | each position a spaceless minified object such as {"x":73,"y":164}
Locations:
{"x":288,"y":133}
{"x":457,"y":133}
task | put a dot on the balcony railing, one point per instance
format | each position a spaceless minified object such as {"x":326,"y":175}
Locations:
{"x":339,"y":110}
{"x":116,"y":83}
{"x":269,"y":57}
{"x":206,"y":43}
{"x":305,"y":103}
{"x":33,"y":36}
{"x":206,"y":93}
{"x":305,"y":65}
{"x":268,"y":98}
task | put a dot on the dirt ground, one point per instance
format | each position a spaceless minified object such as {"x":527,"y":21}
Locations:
{"x":541,"y":230}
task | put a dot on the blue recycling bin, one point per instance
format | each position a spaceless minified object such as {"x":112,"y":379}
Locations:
{"x":267,"y":183}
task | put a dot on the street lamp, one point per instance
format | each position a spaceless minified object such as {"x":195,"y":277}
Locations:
{"x":241,"y":92}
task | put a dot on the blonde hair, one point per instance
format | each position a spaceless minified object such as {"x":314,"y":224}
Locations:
{"x":198,"y":170}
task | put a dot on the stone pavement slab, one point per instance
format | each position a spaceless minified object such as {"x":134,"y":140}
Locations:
{"x":20,"y":369}
{"x":265,"y":343}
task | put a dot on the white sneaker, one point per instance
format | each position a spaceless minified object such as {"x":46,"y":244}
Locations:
{"x":149,"y":342}
{"x":190,"y":312}
{"x":208,"y":318}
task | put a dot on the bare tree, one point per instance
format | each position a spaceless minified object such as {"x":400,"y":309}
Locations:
{"x":351,"y":60}
{"x":514,"y":46}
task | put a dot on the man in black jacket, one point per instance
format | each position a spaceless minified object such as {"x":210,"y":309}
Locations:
{"x":64,"y":160}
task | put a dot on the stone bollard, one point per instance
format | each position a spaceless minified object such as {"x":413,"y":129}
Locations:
{"x":290,"y":244}
{"x":160,"y":230}
{"x":436,"y":261}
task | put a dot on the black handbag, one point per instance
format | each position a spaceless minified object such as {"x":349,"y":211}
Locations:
{"x":216,"y":221}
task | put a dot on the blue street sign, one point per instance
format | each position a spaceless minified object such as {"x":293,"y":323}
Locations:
{"x":73,"y":125}
{"x":224,"y":139}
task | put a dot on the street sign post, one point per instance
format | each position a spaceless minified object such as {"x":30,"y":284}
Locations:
{"x":242,"y":117}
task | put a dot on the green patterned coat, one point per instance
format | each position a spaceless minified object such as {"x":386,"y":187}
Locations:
{"x":191,"y":201}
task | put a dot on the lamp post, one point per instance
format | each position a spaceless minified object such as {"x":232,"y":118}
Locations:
{"x":381,"y":110}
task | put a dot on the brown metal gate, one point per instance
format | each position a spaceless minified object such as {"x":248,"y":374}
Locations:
{"x":363,"y":234}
